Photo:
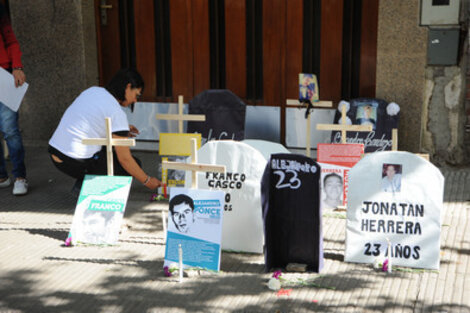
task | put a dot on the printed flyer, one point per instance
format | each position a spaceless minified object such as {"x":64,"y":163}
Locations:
{"x":195,"y":222}
{"x":336,"y":160}
{"x":100,"y":209}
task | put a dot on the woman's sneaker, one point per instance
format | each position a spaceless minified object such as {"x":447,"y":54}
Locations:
{"x":21,"y":187}
{"x":5,"y":183}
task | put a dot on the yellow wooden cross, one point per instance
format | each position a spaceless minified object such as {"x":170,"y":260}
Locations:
{"x":293,"y":103}
{"x":180,"y":117}
{"x":343,"y":127}
{"x":194,"y":167}
{"x":109,"y":142}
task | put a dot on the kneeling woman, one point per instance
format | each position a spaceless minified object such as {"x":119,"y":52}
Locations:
{"x":85,"y":118}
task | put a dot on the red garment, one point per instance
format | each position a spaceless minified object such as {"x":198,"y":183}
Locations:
{"x":10,"y":53}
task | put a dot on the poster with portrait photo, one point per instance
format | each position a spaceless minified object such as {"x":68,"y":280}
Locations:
{"x":100,"y":210}
{"x":195,"y":222}
{"x":172,"y":177}
{"x":334,"y":186}
{"x":308,"y":87}
{"x":391,"y":177}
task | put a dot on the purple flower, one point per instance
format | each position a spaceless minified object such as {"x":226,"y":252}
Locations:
{"x":153,"y":197}
{"x":167,"y":272}
{"x":277,"y":274}
{"x":68,"y":241}
{"x":385,"y":266}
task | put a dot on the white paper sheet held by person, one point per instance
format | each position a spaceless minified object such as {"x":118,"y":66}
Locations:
{"x":10,"y":95}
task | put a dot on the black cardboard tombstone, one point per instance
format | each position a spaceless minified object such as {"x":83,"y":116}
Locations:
{"x":225,"y":115}
{"x":381,"y":115}
{"x":290,"y":197}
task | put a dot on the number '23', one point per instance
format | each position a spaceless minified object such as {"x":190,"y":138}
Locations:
{"x":293,"y":183}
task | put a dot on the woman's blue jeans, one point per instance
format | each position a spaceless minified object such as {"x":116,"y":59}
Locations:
{"x":11,"y":134}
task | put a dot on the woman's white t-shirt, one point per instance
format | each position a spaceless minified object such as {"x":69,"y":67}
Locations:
{"x":85,"y":118}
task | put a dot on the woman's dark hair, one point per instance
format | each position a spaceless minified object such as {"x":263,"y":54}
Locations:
{"x":117,"y":85}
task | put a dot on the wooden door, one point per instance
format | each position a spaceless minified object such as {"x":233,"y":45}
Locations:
{"x":109,"y":34}
{"x":256,"y":48}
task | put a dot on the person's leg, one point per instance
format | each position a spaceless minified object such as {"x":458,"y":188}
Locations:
{"x":4,"y":179}
{"x":12,"y":136}
{"x":72,"y":167}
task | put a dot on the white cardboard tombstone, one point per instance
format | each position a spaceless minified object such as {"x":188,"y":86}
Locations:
{"x":414,"y":235}
{"x":266,"y":147}
{"x":243,"y":226}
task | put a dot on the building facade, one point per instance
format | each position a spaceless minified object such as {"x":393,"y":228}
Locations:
{"x":256,"y":48}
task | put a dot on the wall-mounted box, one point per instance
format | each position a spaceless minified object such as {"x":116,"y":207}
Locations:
{"x":440,"y":12}
{"x":443,"y":46}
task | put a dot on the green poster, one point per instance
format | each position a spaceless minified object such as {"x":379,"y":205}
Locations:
{"x":100,"y":209}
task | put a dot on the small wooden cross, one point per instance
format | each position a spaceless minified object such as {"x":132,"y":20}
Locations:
{"x":180,"y":117}
{"x":343,"y":127}
{"x":317,"y":104}
{"x":395,"y":145}
{"x":194,"y":167}
{"x":109,"y":142}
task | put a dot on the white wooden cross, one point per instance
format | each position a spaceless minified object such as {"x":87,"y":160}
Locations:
{"x":194,"y":167}
{"x":317,"y":104}
{"x":343,"y":127}
{"x":180,"y":117}
{"x":109,"y":142}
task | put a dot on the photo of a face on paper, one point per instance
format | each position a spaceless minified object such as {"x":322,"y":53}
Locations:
{"x":308,"y":87}
{"x":366,"y":114}
{"x":97,"y":226}
{"x":332,"y":190}
{"x":182,"y":212}
{"x":391,"y":177}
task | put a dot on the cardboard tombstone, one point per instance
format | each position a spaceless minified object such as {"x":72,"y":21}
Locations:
{"x":381,"y":115}
{"x":266,"y":147}
{"x":243,"y":227}
{"x":396,"y":196}
{"x":291,"y":212}
{"x":225,"y":115}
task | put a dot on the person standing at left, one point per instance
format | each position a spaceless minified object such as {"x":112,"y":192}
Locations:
{"x":10,"y":60}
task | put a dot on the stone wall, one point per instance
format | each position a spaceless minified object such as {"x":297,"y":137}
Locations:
{"x":432,"y":116}
{"x":52,"y":38}
{"x":445,"y":116}
{"x":401,"y":63}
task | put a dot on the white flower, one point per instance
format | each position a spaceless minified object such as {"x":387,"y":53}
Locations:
{"x":348,"y":121}
{"x":393,"y":109}
{"x":274,"y":284}
{"x":378,"y":262}
{"x":343,"y":103}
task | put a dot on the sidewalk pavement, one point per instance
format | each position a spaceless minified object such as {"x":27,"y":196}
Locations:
{"x":39,"y":274}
